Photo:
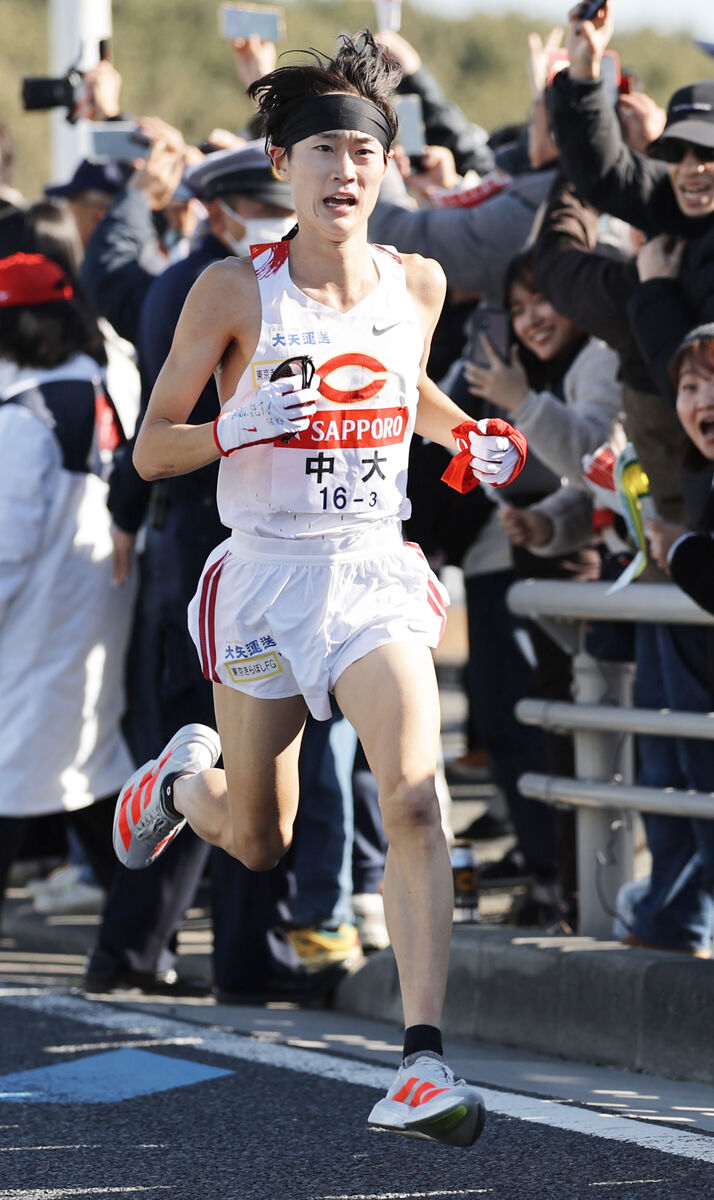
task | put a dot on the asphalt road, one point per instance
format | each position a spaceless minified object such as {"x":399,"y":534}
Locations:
{"x":110,"y":1099}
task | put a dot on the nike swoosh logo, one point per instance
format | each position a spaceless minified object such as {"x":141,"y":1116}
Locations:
{"x":385,"y":328}
{"x":253,"y":429}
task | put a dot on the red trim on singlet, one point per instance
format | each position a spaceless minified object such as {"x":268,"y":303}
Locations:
{"x":391,"y":253}
{"x":278,"y":255}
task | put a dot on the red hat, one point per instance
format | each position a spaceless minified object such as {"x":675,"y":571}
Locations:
{"x":32,"y":279}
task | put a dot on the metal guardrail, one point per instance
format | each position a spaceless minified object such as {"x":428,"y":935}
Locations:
{"x":658,"y":603}
{"x":554,"y":789}
{"x":603,"y":732}
{"x":561,"y":717}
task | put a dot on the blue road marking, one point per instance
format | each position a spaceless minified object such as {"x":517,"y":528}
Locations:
{"x":104,"y":1078}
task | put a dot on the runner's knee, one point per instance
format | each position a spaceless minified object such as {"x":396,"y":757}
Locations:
{"x":410,"y":808}
{"x":258,"y":852}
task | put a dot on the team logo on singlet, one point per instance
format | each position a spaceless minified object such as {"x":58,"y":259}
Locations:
{"x":355,"y":377}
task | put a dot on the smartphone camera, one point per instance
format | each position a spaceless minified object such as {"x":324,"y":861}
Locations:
{"x":494,"y":323}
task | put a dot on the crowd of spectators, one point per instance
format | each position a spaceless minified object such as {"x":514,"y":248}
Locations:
{"x":580,"y":307}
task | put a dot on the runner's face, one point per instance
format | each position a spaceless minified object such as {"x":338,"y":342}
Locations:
{"x":695,"y":404}
{"x":335,"y":178}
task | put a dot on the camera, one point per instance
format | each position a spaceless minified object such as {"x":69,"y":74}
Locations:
{"x":40,"y":93}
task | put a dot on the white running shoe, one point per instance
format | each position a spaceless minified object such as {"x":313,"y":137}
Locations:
{"x":368,"y":909}
{"x":57,"y":880}
{"x":143,"y":824}
{"x":426,"y":1101}
{"x":75,"y":897}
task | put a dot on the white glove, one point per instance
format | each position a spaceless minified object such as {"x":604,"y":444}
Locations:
{"x":494,"y":458}
{"x":272,"y":410}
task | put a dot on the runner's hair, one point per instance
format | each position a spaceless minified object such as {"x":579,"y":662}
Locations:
{"x":360,"y":68}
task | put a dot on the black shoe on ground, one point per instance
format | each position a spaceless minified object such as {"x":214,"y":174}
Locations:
{"x":543,"y":907}
{"x":308,"y":988}
{"x":104,"y":974}
{"x":484,"y":828}
{"x":504,"y":871}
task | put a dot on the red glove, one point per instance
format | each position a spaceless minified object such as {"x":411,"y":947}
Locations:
{"x":491,"y":451}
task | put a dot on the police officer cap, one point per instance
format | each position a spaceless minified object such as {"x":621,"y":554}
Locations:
{"x":243,"y":172}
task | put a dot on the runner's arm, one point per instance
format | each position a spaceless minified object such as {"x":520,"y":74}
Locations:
{"x":166,"y":445}
{"x":437,"y":414}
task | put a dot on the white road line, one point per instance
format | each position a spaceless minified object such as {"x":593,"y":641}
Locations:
{"x":60,"y":1193}
{"x":407,"y":1195}
{"x":552,"y":1113}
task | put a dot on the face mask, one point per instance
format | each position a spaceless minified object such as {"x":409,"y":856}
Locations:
{"x":258,"y":230}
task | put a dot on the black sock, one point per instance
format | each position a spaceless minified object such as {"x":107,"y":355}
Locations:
{"x":418,"y":1038}
{"x":167,"y":794}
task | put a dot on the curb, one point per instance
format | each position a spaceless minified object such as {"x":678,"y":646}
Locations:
{"x":570,"y":997}
{"x":595,"y":1002}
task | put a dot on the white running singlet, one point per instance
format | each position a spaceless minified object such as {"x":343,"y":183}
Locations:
{"x":350,"y":465}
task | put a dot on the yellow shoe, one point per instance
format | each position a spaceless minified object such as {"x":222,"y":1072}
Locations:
{"x":317,"y":947}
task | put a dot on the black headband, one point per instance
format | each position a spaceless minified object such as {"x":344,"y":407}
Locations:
{"x":334,"y":111}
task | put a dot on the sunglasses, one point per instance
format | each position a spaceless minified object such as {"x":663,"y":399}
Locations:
{"x":301,"y":365}
{"x":674,"y":150}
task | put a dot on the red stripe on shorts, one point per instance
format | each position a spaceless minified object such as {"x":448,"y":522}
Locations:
{"x":202,"y":626}
{"x":437,"y":604}
{"x":213,"y":666}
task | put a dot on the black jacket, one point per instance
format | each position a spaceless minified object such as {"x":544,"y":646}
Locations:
{"x":615,"y":179}
{"x":121,"y":261}
{"x":446,"y":125}
{"x":589,"y":287}
{"x":692,"y":564}
{"x":192,"y":494}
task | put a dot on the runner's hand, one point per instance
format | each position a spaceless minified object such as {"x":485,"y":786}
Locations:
{"x":494,"y":458}
{"x":272,"y":410}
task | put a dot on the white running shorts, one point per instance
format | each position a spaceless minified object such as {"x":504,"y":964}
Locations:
{"x":273,"y":618}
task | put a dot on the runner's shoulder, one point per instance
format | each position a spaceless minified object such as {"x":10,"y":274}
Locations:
{"x":426,"y":280}
{"x":231,"y":274}
{"x":228,"y":286}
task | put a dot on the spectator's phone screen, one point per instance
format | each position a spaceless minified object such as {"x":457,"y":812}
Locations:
{"x":495,"y":324}
{"x":412,"y":134}
{"x":611,"y":75}
{"x":243,"y":20}
{"x":119,"y":141}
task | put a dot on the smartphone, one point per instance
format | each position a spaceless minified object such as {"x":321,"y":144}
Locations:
{"x":611,"y":73}
{"x":589,"y":9}
{"x":412,"y":133}
{"x":492,"y":322}
{"x":242,"y":20}
{"x":119,"y":141}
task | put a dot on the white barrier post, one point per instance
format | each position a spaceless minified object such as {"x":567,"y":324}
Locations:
{"x":605,"y":842}
{"x":75,"y":29}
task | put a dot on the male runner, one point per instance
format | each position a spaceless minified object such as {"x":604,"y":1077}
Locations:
{"x":315,"y":591}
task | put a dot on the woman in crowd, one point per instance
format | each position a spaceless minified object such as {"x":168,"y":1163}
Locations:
{"x":63,"y":628}
{"x":559,"y":388}
{"x":674,"y":908}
